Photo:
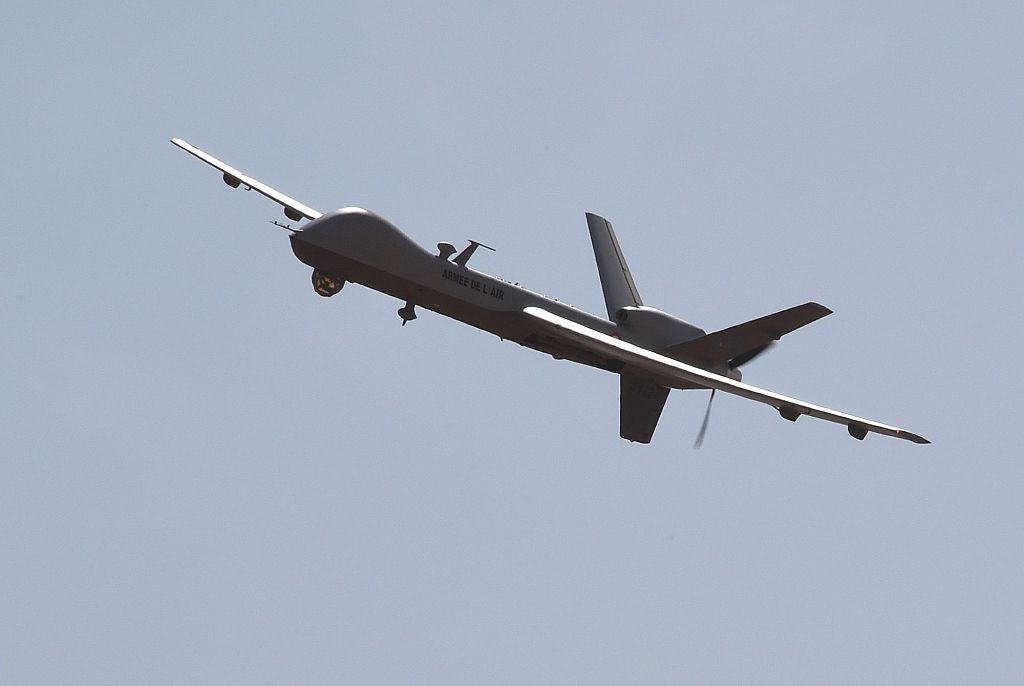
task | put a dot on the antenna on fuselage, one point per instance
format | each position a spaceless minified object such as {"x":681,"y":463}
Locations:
{"x":463,"y":257}
{"x":445,"y":250}
{"x":286,"y":227}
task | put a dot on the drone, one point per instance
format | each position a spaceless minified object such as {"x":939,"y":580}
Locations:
{"x":652,"y":351}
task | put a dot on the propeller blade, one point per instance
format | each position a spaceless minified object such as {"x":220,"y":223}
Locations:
{"x":741,"y":360}
{"x":704,"y":424}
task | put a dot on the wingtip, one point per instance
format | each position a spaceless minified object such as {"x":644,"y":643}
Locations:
{"x":825,"y":311}
{"x":914,"y":437}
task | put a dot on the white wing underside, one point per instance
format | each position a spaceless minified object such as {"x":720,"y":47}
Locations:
{"x":662,"y":366}
{"x":292,"y":207}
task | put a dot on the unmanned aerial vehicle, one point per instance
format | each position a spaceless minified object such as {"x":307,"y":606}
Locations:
{"x":651,"y":351}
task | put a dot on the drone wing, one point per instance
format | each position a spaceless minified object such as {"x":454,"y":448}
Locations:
{"x":293,"y":209}
{"x":663,"y":367}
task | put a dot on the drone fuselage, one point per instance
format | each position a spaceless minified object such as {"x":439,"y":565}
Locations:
{"x":358,"y":246}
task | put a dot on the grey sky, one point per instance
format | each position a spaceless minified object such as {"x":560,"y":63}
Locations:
{"x":212,"y":475}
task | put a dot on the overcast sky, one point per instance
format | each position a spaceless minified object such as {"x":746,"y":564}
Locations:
{"x":212,"y":475}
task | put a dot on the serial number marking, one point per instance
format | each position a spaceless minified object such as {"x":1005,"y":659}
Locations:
{"x":473,"y":284}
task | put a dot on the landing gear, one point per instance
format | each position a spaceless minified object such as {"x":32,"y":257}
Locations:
{"x":407,"y":313}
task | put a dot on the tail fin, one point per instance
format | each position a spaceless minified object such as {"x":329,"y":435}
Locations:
{"x":640,"y":404}
{"x":739,"y":344}
{"x":616,"y":281}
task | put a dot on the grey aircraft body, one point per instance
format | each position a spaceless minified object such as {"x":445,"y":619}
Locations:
{"x":651,"y":351}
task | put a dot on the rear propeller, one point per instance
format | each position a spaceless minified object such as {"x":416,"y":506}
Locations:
{"x":734,"y":363}
{"x":704,"y":425}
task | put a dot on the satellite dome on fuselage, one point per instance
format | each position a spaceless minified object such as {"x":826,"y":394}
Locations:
{"x":359,"y":234}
